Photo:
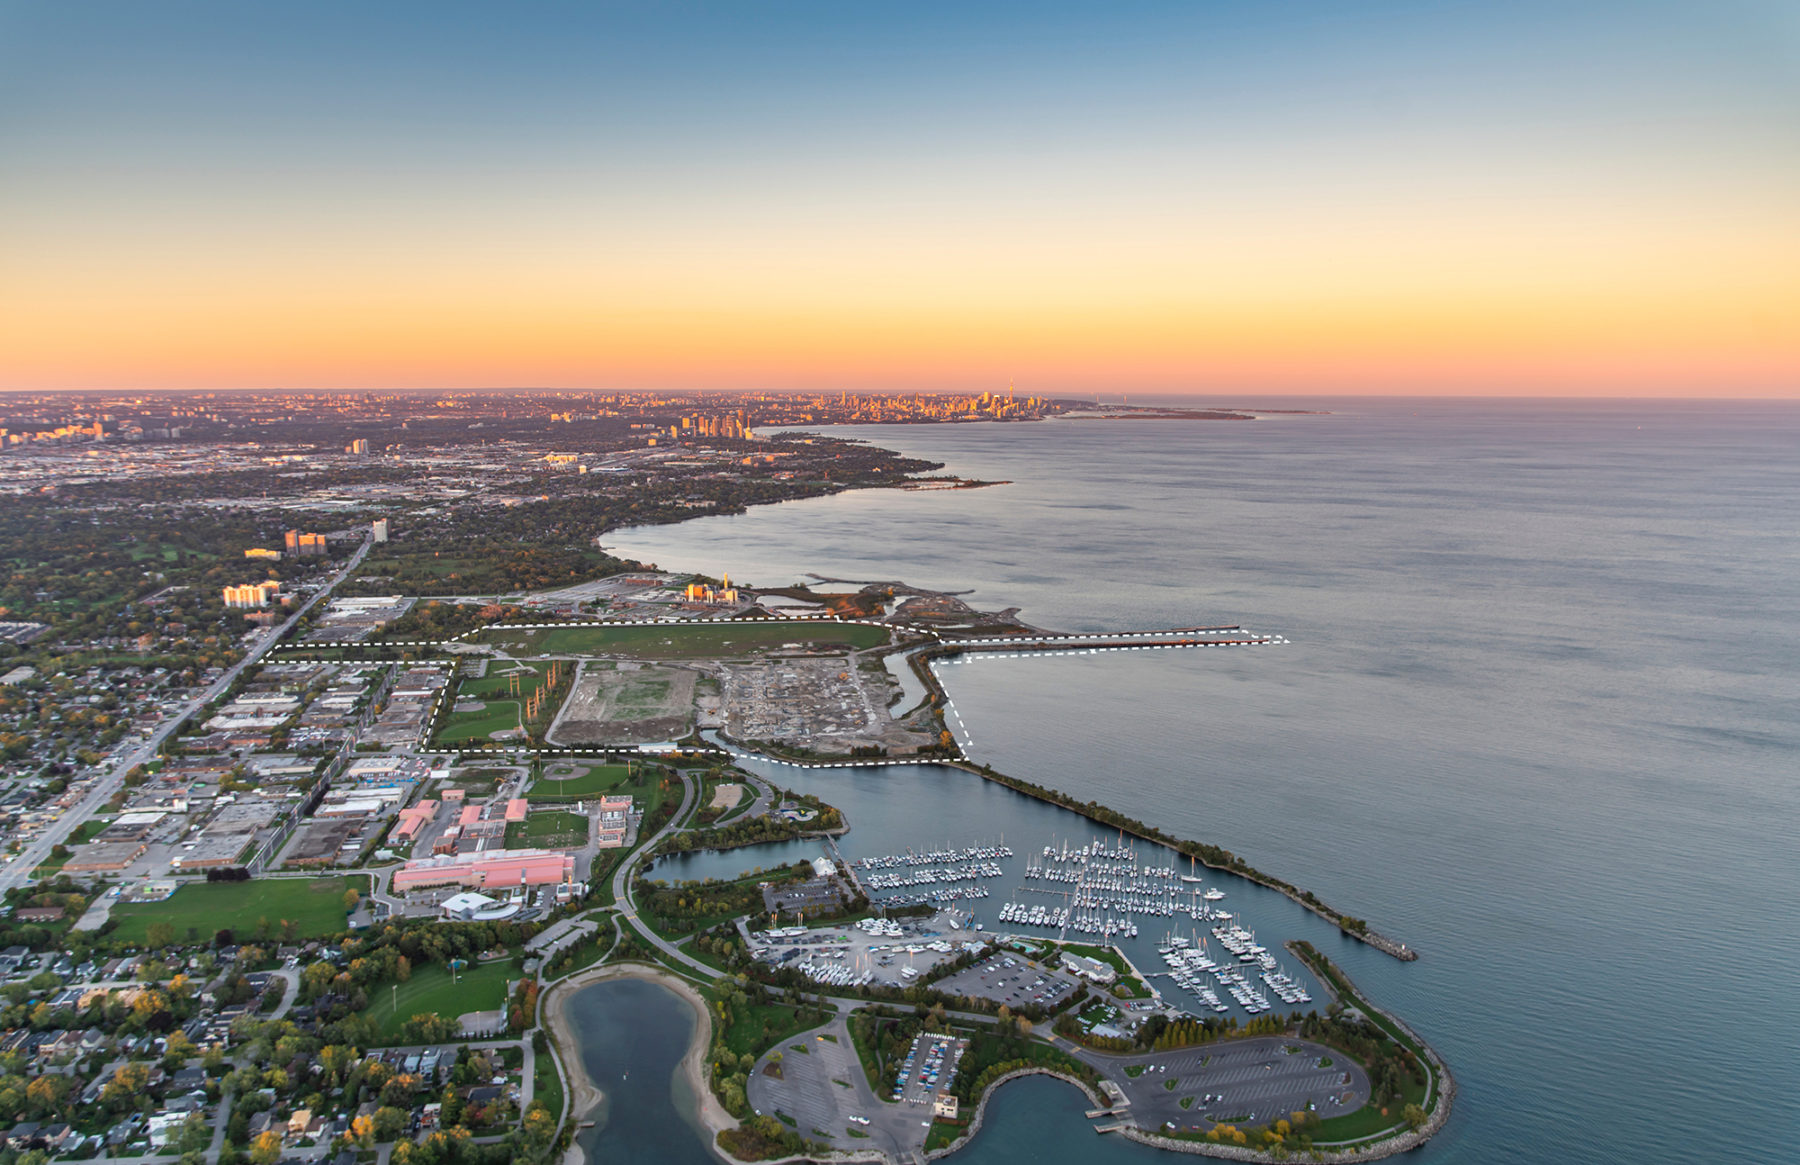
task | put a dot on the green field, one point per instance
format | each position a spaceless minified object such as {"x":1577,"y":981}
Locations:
{"x":586,"y":781}
{"x":680,"y":641}
{"x":548,"y":829}
{"x":496,"y":716}
{"x":502,"y":712}
{"x":478,"y":988}
{"x":199,"y":910}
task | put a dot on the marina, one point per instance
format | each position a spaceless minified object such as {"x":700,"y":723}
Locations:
{"x":1099,"y":889}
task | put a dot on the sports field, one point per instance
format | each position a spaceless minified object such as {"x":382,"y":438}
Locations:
{"x":681,"y":641}
{"x":478,"y":988}
{"x":548,"y":829}
{"x":200,"y":909}
{"x":563,"y":782}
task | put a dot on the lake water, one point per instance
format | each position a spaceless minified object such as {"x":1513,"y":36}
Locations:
{"x":1538,"y":719}
{"x":633,"y":1035}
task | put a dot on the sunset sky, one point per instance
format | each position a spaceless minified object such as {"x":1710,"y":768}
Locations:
{"x":1306,"y":196}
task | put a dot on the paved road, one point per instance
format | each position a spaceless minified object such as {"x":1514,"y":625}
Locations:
{"x":622,"y":885}
{"x":292,"y":979}
{"x":18,"y":872}
{"x":763,"y":802}
{"x":220,"y":1120}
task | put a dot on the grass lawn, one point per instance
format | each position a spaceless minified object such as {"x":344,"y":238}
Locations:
{"x":478,"y":988}
{"x":681,"y":641}
{"x":757,"y":1028}
{"x":1128,"y":986}
{"x":1365,"y":1122}
{"x":200,"y":909}
{"x":548,"y":829}
{"x":691,"y":949}
{"x":585,"y":782}
{"x":547,"y":1083}
{"x":942,"y":1134}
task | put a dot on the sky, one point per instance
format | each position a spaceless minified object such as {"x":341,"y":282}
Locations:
{"x":1309,"y":196}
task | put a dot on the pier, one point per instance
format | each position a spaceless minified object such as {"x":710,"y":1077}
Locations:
{"x":1065,"y":643}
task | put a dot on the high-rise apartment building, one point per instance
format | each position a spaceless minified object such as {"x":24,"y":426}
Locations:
{"x":251,"y":594}
{"x":305,"y":545}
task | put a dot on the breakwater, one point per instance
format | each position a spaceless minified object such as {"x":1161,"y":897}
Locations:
{"x":1212,"y":856}
{"x":981,"y":1104}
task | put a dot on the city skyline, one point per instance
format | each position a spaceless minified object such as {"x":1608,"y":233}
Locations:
{"x":1406,"y":198}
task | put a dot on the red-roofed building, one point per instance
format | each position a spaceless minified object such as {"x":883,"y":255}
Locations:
{"x":413,"y":819}
{"x":490,"y":869}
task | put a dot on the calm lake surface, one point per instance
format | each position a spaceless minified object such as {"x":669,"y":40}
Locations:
{"x":633,"y":1035}
{"x":1538,"y":719}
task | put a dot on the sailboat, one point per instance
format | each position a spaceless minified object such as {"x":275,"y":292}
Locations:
{"x":1190,"y":876}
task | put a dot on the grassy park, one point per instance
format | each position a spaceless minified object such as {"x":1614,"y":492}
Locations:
{"x":251,"y":910}
{"x":501,"y":704}
{"x":680,"y":641}
{"x":433,"y":989}
{"x":480,"y":724}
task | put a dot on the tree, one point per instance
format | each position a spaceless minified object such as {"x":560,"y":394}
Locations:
{"x":389,"y":1122}
{"x":194,"y":1137}
{"x":1415,"y":1116}
{"x":160,"y":934}
{"x":46,"y":1092}
{"x":176,"y":1051}
{"x":351,"y":900}
{"x":266,"y":1148}
{"x":125,"y":1087}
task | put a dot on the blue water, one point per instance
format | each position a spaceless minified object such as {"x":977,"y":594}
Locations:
{"x":633,"y":1035}
{"x":1537,"y":719}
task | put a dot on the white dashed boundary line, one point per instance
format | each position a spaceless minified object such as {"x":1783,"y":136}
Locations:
{"x":968,"y":649}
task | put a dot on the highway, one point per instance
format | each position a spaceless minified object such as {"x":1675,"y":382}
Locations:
{"x":18,"y":872}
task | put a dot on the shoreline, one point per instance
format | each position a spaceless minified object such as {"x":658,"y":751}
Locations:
{"x":584,"y":1095}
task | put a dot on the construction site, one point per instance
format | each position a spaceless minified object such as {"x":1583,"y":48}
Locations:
{"x":626,"y":703}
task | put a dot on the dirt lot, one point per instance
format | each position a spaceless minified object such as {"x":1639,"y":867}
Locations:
{"x":626,"y":704}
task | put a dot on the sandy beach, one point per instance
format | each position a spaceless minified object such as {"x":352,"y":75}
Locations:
{"x":584,"y":1095}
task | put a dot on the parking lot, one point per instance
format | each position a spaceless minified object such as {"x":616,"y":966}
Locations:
{"x":930,"y":1067}
{"x":824,"y":1091}
{"x":1236,"y":1082}
{"x":1014,"y":981}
